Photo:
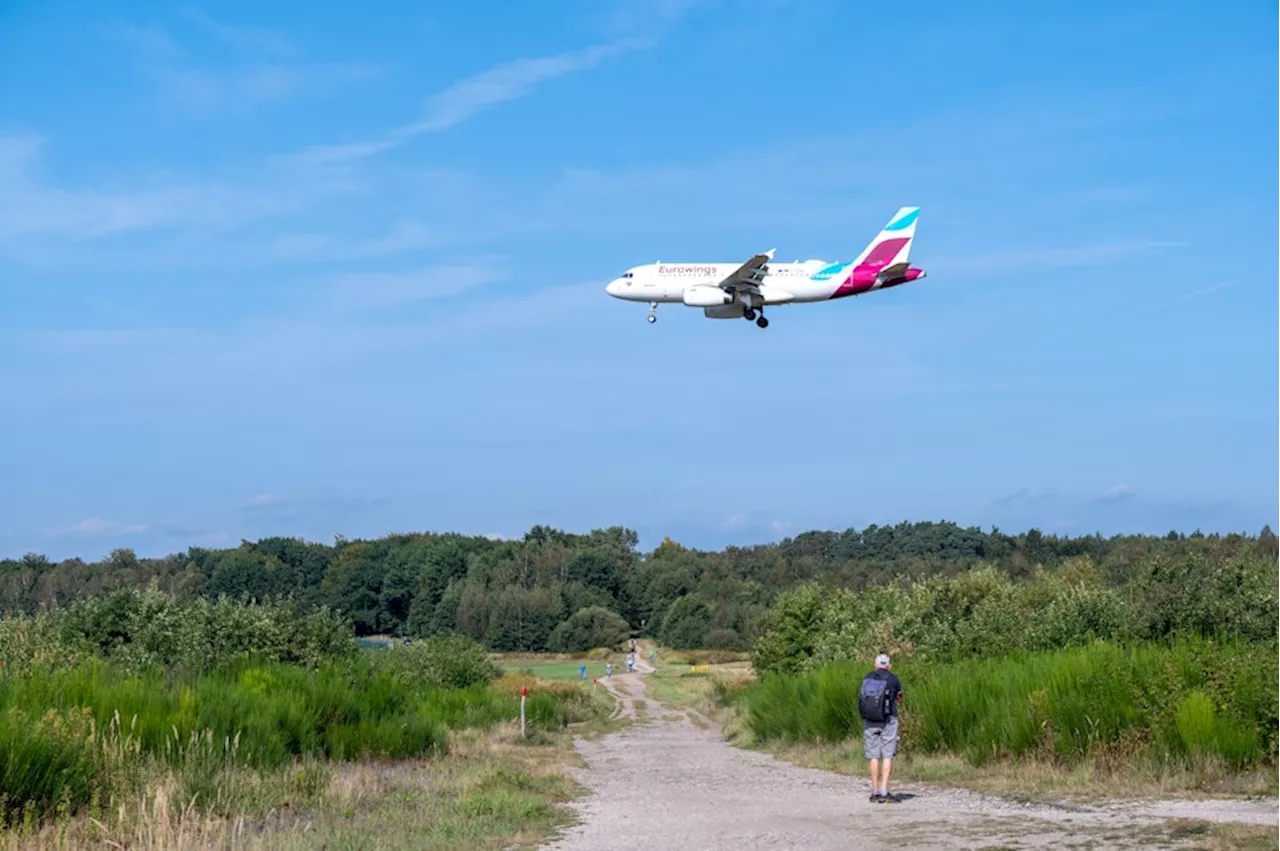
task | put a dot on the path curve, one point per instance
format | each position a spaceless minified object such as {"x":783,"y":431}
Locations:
{"x":668,"y":783}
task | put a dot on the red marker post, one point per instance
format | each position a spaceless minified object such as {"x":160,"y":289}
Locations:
{"x":524,"y":692}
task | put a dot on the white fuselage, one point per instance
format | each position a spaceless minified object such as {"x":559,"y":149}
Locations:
{"x":810,"y":280}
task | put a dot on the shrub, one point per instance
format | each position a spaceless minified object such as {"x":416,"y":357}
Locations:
{"x":1079,"y":615}
{"x":1068,"y":704}
{"x":451,"y":661}
{"x":99,"y":725}
{"x":138,"y":629}
{"x":45,"y":762}
{"x":589,"y":628}
{"x":791,"y":629}
{"x":687,"y":624}
{"x":724,"y":639}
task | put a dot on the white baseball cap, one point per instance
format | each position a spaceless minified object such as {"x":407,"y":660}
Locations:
{"x":882,"y":661}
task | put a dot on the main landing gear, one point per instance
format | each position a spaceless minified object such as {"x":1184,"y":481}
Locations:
{"x":761,"y":322}
{"x":653,"y":308}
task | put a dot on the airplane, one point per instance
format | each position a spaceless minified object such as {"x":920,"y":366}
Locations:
{"x":733,"y":291}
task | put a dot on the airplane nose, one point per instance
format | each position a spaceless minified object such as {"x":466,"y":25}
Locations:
{"x":612,"y":288}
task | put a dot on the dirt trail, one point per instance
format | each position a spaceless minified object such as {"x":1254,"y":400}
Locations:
{"x":627,"y":689}
{"x":673,"y":784}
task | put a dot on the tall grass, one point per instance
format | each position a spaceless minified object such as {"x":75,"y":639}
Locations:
{"x":1185,"y":702}
{"x":73,"y":736}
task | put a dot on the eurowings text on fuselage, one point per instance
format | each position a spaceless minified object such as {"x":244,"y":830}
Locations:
{"x":742,"y":290}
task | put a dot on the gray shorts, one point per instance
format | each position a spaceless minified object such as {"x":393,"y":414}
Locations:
{"x":880,"y":740}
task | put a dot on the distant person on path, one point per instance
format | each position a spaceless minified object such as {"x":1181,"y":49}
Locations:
{"x":631,"y":663}
{"x":582,"y":672}
{"x":608,"y":670}
{"x":878,"y":705}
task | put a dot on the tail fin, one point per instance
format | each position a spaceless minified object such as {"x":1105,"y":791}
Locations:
{"x":885,"y":260}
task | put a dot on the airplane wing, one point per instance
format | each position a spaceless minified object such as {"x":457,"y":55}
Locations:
{"x":749,"y":275}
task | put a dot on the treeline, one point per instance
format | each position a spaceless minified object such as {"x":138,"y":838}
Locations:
{"x":985,"y":614}
{"x":554,"y":590}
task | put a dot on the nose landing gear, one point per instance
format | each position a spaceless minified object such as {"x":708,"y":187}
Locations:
{"x":653,"y":309}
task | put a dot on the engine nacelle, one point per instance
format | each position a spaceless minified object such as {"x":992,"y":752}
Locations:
{"x":706,"y":297}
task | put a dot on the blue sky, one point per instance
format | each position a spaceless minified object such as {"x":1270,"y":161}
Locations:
{"x":311,"y":269}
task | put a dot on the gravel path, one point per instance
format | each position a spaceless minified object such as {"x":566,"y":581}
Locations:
{"x":673,"y":784}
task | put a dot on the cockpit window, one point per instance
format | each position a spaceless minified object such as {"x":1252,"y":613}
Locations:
{"x":626,"y":274}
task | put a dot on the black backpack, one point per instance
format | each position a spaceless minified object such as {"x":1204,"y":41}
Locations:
{"x":874,"y":698}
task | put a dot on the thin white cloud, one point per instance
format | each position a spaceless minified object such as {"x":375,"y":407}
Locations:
{"x":507,"y":82}
{"x":368,"y":290}
{"x":469,"y":96}
{"x":1079,"y":256}
{"x":1203,"y":291}
{"x":31,"y":206}
{"x":646,"y":15}
{"x":400,"y":238}
{"x":1116,"y":492}
{"x":264,"y":500}
{"x":249,"y":38}
{"x":149,"y":41}
{"x":208,"y":89}
{"x":95,"y":527}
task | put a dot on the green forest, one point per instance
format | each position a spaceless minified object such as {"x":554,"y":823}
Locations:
{"x":932,"y":589}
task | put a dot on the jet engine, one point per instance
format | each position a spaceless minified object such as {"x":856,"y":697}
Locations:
{"x":706,"y":297}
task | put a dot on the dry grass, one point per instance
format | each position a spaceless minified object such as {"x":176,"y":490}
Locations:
{"x":1239,"y":837}
{"x":1027,"y":779}
{"x":678,"y":688}
{"x":1199,"y":835}
{"x":1034,"y":780}
{"x":493,"y":790}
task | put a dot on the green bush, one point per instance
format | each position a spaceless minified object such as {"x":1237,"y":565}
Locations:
{"x":45,"y":761}
{"x":1067,"y":704}
{"x":138,"y":629}
{"x":97,"y":725}
{"x":450,"y":661}
{"x":983,"y":612}
{"x":687,"y":624}
{"x":587,"y":629}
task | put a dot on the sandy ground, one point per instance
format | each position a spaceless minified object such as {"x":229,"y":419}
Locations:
{"x":668,"y":783}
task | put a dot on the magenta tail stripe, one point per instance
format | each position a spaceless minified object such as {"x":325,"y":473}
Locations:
{"x":863,"y":276}
{"x":884,"y":252}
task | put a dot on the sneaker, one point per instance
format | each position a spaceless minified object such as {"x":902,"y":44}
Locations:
{"x":875,"y":797}
{"x":890,"y":799}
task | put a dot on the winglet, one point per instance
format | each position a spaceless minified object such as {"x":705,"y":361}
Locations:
{"x":770,"y":252}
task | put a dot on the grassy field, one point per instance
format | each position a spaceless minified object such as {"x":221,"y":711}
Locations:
{"x":485,"y":787}
{"x":403,"y":747}
{"x":725,"y":693}
{"x":491,"y":790}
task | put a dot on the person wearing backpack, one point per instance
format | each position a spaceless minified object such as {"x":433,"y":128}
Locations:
{"x":878,"y":705}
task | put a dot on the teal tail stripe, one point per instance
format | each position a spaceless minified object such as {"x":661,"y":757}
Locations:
{"x":903,"y":222}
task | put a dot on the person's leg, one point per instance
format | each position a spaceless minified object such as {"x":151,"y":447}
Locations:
{"x":889,"y":749}
{"x":871,"y":747}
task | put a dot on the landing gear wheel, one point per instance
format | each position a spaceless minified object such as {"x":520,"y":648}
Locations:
{"x":762,"y":322}
{"x":749,"y":314}
{"x":652,"y":318}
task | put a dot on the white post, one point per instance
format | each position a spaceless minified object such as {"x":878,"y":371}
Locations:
{"x":524,"y":690}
